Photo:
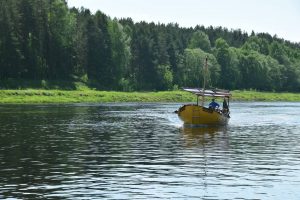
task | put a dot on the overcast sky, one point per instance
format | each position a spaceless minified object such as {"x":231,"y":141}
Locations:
{"x":280,"y":17}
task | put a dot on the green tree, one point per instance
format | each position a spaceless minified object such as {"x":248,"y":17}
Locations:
{"x":94,"y":48}
{"x":255,"y":43}
{"x":255,"y":71}
{"x":121,"y":52}
{"x":42,"y":39}
{"x":10,"y":40}
{"x":164,"y":77}
{"x":228,"y":60}
{"x":200,"y":40}
{"x":80,"y":47}
{"x":191,"y":70}
{"x":105,"y":69}
{"x":61,"y":29}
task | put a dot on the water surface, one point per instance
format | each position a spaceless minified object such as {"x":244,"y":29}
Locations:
{"x":141,"y":151}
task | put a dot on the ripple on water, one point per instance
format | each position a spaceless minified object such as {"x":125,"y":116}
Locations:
{"x":140,"y":151}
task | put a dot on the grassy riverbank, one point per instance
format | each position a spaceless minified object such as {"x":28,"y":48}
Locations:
{"x":264,"y":96}
{"x":61,"y":96}
{"x":93,"y":96}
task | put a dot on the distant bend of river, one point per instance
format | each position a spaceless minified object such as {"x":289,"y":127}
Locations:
{"x":141,"y":151}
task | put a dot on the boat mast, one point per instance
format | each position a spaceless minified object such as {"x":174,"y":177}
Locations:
{"x":204,"y":81}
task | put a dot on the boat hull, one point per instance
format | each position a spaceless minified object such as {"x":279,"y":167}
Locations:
{"x":196,"y":115}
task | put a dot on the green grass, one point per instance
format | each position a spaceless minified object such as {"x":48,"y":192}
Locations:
{"x":264,"y":96}
{"x":61,"y":96}
{"x":93,"y":96}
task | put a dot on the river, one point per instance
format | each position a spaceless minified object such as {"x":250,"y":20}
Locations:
{"x":141,"y":151}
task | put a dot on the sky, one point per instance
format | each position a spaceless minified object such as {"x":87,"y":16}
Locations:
{"x":280,"y":17}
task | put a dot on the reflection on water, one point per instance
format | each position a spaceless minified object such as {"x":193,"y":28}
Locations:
{"x":200,"y":136}
{"x":141,"y":151}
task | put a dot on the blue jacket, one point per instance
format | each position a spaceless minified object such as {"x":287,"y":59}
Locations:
{"x":213,"y":105}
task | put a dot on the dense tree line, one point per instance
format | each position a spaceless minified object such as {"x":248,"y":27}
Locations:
{"x":46,"y":40}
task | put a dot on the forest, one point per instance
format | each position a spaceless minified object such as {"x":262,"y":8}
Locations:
{"x":45,"y":40}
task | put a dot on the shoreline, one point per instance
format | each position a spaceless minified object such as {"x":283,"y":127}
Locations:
{"x":41,"y":96}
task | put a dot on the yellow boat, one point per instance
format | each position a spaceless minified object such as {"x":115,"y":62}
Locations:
{"x":199,"y":115}
{"x":195,"y":114}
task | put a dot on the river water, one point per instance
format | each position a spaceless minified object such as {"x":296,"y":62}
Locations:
{"x":141,"y":151}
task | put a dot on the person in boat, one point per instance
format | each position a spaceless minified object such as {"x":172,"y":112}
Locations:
{"x":213,"y":105}
{"x":225,"y":106}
